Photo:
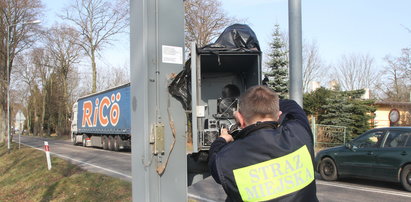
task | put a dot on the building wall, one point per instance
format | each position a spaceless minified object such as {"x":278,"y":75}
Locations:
{"x":405,"y":119}
{"x":381,"y":116}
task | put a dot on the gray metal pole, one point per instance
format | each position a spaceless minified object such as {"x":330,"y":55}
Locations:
{"x":296,"y":76}
{"x":8,"y":87}
{"x":159,"y":159}
{"x":8,"y":76}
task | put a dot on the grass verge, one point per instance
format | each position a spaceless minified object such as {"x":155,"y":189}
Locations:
{"x":24,"y":177}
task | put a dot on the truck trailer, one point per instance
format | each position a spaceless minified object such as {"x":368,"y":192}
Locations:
{"x":103,"y":119}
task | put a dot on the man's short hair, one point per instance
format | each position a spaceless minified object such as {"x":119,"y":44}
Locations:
{"x":259,"y":102}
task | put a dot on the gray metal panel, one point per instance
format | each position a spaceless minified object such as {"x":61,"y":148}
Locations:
{"x":154,"y":24}
{"x":194,"y":96}
{"x":213,"y":83}
{"x":212,"y":107}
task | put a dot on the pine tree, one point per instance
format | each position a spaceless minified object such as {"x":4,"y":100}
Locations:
{"x":346,"y":108}
{"x":315,"y":101}
{"x":336,"y":111}
{"x":361,"y":111}
{"x":277,"y":76}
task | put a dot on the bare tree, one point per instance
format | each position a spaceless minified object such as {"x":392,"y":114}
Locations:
{"x":61,"y":45}
{"x":312,"y":64}
{"x":97,"y":22}
{"x":404,"y":63}
{"x":395,"y":89}
{"x":113,"y":76}
{"x":204,"y":20}
{"x":356,"y":72}
{"x":397,"y":79}
{"x":121,"y":75}
{"x":25,"y":77}
{"x":41,"y":60}
{"x":14,"y":13}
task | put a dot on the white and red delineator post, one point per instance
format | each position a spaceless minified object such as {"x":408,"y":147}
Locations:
{"x":47,"y":150}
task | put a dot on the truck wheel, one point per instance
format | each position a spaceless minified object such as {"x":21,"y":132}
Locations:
{"x":105,"y":142}
{"x":84,"y":140}
{"x":110,"y":143}
{"x":406,"y":177}
{"x":116,"y":145}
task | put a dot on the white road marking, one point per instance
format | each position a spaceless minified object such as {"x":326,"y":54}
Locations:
{"x":361,"y":188}
{"x":96,"y":166}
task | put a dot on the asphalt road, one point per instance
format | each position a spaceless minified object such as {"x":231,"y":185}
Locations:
{"x":349,"y":190}
{"x":118,"y":164}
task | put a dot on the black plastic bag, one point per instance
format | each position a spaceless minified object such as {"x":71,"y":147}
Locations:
{"x":179,"y":87}
{"x":237,"y":37}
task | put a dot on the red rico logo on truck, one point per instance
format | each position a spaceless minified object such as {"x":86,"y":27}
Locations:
{"x":91,"y":117}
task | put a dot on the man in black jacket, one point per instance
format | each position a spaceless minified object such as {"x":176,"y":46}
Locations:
{"x":271,"y":158}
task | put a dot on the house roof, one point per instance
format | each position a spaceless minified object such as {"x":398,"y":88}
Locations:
{"x":393,"y":104}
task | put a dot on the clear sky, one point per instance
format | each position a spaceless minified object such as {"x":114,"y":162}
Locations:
{"x":374,"y":27}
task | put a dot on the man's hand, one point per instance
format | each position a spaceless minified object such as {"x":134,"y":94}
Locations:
{"x":224,"y":134}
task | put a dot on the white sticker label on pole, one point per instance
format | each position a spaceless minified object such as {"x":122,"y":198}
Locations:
{"x":172,"y":54}
{"x":200,"y":111}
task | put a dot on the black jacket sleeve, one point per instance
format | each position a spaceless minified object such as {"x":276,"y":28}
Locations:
{"x":291,"y":110}
{"x":216,"y":146}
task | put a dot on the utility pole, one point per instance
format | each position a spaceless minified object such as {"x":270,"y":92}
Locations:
{"x":296,"y":73}
{"x":9,"y":26}
{"x":159,"y":160}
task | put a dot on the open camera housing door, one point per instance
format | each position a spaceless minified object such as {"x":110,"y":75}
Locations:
{"x":212,"y":73}
{"x":220,"y":73}
{"x":212,"y":81}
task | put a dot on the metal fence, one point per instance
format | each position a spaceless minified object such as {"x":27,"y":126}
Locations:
{"x":328,"y":135}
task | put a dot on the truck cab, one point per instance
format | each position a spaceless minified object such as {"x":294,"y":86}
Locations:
{"x":74,"y":122}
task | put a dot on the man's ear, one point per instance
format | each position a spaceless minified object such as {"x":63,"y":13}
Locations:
{"x":240,"y":119}
{"x":279,"y":114}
